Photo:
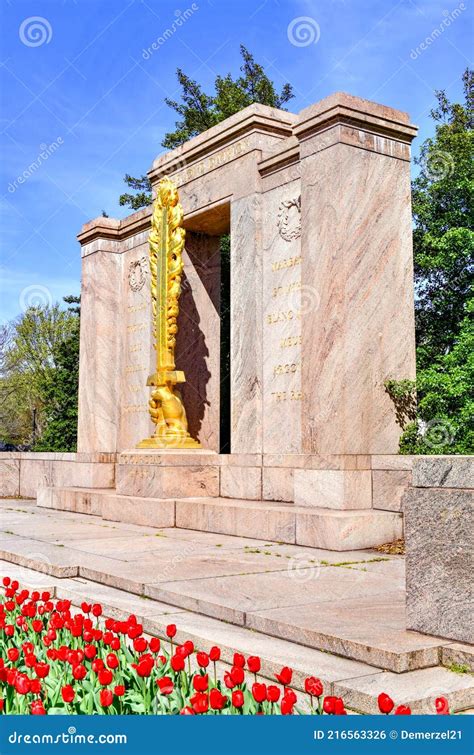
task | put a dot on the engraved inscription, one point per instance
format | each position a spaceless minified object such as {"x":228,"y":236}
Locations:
{"x":286,"y":343}
{"x":289,"y":262}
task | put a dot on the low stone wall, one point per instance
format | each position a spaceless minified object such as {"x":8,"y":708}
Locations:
{"x":23,"y":473}
{"x":439,"y":532}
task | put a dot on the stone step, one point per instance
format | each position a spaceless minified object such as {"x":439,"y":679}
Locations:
{"x":358,"y":683}
{"x":315,"y":527}
{"x":277,"y":522}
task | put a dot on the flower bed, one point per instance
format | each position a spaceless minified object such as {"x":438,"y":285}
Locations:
{"x":56,"y":660}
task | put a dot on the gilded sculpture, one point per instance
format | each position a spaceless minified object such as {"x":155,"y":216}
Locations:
{"x":166,"y":244}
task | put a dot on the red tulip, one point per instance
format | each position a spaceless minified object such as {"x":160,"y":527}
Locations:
{"x":217,"y":699}
{"x":35,"y":686}
{"x":177,"y":663}
{"x":286,"y":707}
{"x":68,"y":693}
{"x":259,"y":692}
{"x":187,"y":711}
{"x":165,"y":684}
{"x":97,"y":665}
{"x":37,"y":625}
{"x":442,"y":706}
{"x":119,"y":690}
{"x":105,"y":677}
{"x":239,"y":660}
{"x":254,"y":664}
{"x":41,"y":670}
{"x":200,"y":702}
{"x":237,"y":698}
{"x":402,"y":710}
{"x":200,"y":683}
{"x":202,"y":659}
{"x":22,"y":684}
{"x":284,"y":677}
{"x":385,"y":703}
{"x":13,"y":654}
{"x":171,"y":630}
{"x":155,"y":645}
{"x":329,"y":704}
{"x":140,"y":644}
{"x":79,"y":672}
{"x":106,"y":697}
{"x":86,"y":607}
{"x":144,"y":668}
{"x":6,"y":581}
{"x":339,"y":709}
{"x":313,"y":686}
{"x":273,"y":693}
{"x":97,"y":610}
{"x":237,"y":674}
{"x":189,"y":647}
{"x":112,"y":661}
{"x":90,"y":651}
{"x":37,"y":708}
{"x":215,"y":654}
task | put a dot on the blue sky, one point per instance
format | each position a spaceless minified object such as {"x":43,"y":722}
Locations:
{"x":76,"y":82}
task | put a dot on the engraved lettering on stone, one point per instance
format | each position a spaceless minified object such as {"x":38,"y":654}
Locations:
{"x":285,"y":343}
{"x":283,"y":264}
{"x":285,"y":369}
{"x":289,"y":219}
{"x":137,"y":272}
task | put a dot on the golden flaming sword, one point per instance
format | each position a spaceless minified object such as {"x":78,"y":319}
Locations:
{"x":166,"y":266}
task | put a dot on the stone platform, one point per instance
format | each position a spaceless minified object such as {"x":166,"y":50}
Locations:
{"x":343,"y":620}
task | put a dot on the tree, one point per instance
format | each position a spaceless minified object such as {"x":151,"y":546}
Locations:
{"x":32,"y":358}
{"x":60,"y":391}
{"x":443,"y":241}
{"x":199,"y":111}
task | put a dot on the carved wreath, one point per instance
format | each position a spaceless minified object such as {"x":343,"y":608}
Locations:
{"x":137,"y":272}
{"x":289,"y":223}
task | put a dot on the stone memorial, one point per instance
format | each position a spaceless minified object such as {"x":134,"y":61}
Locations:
{"x":321,"y":315}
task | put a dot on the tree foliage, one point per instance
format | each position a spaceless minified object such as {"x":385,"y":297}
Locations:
{"x":38,"y":348}
{"x":443,"y":241}
{"x":199,"y":111}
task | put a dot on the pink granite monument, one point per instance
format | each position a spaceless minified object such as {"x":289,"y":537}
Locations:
{"x":318,"y":210}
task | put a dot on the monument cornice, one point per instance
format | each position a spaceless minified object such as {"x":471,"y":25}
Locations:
{"x":116,"y":230}
{"x":354,"y":112}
